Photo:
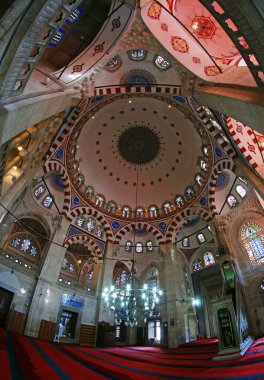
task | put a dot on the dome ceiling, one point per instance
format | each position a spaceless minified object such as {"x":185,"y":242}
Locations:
{"x":140,"y":140}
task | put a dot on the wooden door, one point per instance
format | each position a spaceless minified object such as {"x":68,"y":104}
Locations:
{"x":6,"y":298}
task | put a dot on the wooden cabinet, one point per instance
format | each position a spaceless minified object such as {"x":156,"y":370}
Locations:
{"x":47,"y":330}
{"x":16,"y":322}
{"x":87,"y":335}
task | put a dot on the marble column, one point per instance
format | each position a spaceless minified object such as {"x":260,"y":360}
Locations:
{"x":175,"y":295}
{"x":45,"y":303}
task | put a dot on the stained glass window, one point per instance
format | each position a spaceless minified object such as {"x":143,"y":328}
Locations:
{"x":140,"y":212}
{"x":90,"y":271}
{"x":15,"y":242}
{"x":179,"y":201}
{"x":113,"y":64}
{"x":197,"y":265}
{"x":122,"y":278}
{"x":186,"y":242}
{"x":204,"y":166}
{"x":99,"y":201}
{"x":205,"y":150}
{"x":201,"y":238}
{"x":39,"y":191}
{"x":128,"y":246}
{"x":161,"y":62}
{"x":112,"y":206}
{"x":241,"y":191}
{"x":231,"y":200}
{"x":24,"y":245}
{"x":137,"y":55}
{"x":80,"y":221}
{"x":208,"y":258}
{"x":167,"y":208}
{"x":99,"y":231}
{"x":126,"y":212}
{"x":199,"y":179}
{"x":68,"y":266}
{"x":153,"y":277}
{"x":262,"y":285}
{"x":189,"y":192}
{"x":153,"y":213}
{"x":90,"y":224}
{"x":149,"y":245}
{"x":139,"y":247}
{"x":253,"y":240}
{"x":48,"y":201}
{"x":33,"y":251}
{"x":89,"y":191}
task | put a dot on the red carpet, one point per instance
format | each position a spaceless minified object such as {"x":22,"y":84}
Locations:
{"x":24,"y":358}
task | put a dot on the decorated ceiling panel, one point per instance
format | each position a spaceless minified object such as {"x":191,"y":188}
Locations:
{"x":111,"y":31}
{"x":193,"y":36}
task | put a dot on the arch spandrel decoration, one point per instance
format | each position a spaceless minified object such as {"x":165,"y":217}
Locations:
{"x":74,"y":235}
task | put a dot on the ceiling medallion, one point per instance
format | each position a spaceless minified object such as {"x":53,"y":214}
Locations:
{"x":139,"y":144}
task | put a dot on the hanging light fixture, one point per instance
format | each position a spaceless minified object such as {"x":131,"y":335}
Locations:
{"x":132,"y":304}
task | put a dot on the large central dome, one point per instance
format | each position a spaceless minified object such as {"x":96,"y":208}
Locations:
{"x":142,"y":140}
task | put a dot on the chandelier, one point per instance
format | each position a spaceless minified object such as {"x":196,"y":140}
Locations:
{"x":131,"y":304}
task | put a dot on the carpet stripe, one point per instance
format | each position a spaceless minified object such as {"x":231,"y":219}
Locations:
{"x":14,"y":364}
{"x":54,"y":366}
{"x":85,"y":364}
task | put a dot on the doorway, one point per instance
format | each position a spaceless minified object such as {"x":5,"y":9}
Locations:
{"x":154,"y":331}
{"x":6,"y":298}
{"x":68,"y":323}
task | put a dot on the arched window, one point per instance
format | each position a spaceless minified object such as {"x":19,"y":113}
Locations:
{"x":199,"y":179}
{"x":149,"y":245}
{"x":153,"y":213}
{"x":89,"y":191}
{"x":99,"y":201}
{"x":241,"y":191}
{"x":68,"y":266}
{"x":90,"y":224}
{"x":189,"y":192}
{"x":47,"y":201}
{"x":208,"y":258}
{"x":201,"y":238}
{"x":126,"y":212}
{"x":128,"y":246}
{"x":253,"y":240}
{"x":197,"y":265}
{"x":111,"y":207}
{"x":25,"y":244}
{"x":161,"y":62}
{"x":153,"y":278}
{"x":204,"y":165}
{"x":167,"y":208}
{"x":39,"y":191}
{"x":140,"y":213}
{"x":186,"y":242}
{"x":231,"y":200}
{"x":121,"y":275}
{"x":262,"y":286}
{"x":139,"y":247}
{"x":99,"y":231}
{"x":179,"y":201}
{"x":205,"y":150}
{"x":80,"y":221}
{"x":137,"y":54}
{"x":114,"y":64}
